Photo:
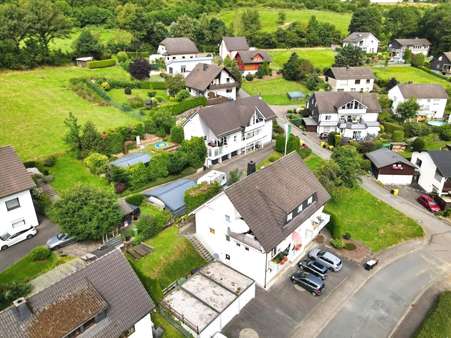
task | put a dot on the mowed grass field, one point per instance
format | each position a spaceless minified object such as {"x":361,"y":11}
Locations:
{"x":274,"y":91}
{"x":35,"y":103}
{"x":319,"y":57}
{"x":405,"y":74}
{"x":268,"y":18}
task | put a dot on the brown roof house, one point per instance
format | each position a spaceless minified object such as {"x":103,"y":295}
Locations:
{"x":211,"y":81}
{"x":230,"y":45}
{"x":266,"y":219}
{"x":398,"y":47}
{"x":350,"y":79}
{"x":249,"y":61}
{"x":232,"y":128}
{"x":103,"y":298}
{"x":17,"y":211}
{"x":391,"y":168}
{"x":442,"y":63}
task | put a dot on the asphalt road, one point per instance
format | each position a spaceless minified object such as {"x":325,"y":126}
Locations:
{"x":16,"y":252}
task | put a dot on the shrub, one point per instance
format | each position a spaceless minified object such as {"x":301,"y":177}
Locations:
{"x":147,"y":227}
{"x":135,"y":102}
{"x":445,"y":133}
{"x":391,"y":127}
{"x":350,"y":246}
{"x":418,"y":144}
{"x":304,"y":152}
{"x":337,"y":243}
{"x":96,"y":163}
{"x":151,"y":94}
{"x":127,"y":91}
{"x":333,"y":228}
{"x":365,"y":165}
{"x":136,"y":199}
{"x":182,"y":95}
{"x":199,"y":194}
{"x":11,"y":291}
{"x":177,"y":134}
{"x":101,"y":63}
{"x":347,"y":236}
{"x":416,"y":129}
{"x":177,"y":162}
{"x":139,"y":69}
{"x":105,"y":85}
{"x":366,"y":147}
{"x":234,"y":176}
{"x":40,"y":253}
{"x":398,"y":135}
{"x":249,"y":77}
{"x":293,"y":143}
{"x":49,"y":161}
{"x":122,"y":56}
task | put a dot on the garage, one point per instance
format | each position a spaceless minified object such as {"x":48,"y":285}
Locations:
{"x":390,"y":168}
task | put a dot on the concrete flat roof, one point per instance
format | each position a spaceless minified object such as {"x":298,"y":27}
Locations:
{"x":227,"y":277}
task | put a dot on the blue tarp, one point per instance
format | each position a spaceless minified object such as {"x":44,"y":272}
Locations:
{"x":295,"y":95}
{"x":131,"y":159}
{"x":172,"y":194}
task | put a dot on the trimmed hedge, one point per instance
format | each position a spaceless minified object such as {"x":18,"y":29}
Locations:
{"x":102,"y":63}
{"x":199,"y":194}
{"x":137,"y":55}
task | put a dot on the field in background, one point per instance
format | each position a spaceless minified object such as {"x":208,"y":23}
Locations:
{"x":320,"y":57}
{"x":405,"y":74}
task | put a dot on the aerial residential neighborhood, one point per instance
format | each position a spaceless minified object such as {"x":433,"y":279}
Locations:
{"x":225,"y":169}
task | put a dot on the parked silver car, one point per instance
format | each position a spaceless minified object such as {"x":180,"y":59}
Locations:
{"x":326,"y":258}
{"x":59,"y":240}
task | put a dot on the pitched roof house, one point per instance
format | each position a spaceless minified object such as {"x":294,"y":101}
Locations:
{"x":249,"y":61}
{"x":366,"y":41}
{"x":211,"y":81}
{"x":231,"y":128}
{"x":442,"y":63}
{"x":435,"y":171}
{"x":103,"y":299}
{"x":398,"y":47}
{"x":232,"y":44}
{"x":391,"y":168}
{"x":268,"y":217}
{"x":350,"y":79}
{"x":16,"y":205}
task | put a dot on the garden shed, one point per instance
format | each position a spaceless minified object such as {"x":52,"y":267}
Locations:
{"x":132,"y":159}
{"x":295,"y":95}
{"x":83,"y":61}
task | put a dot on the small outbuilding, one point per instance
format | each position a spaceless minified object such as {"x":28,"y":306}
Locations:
{"x":170,"y":196}
{"x":310,"y":124}
{"x":391,"y":168}
{"x":83,"y":61}
{"x":131,"y":159}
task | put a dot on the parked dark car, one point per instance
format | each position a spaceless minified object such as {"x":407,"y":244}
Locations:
{"x":314,"y":267}
{"x":429,"y":203}
{"x":59,"y":240}
{"x":308,"y":281}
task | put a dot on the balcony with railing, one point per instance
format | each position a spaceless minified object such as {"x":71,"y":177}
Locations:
{"x":320,"y":222}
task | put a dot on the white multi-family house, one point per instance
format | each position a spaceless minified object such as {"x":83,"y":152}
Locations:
{"x":398,"y":47}
{"x":434,"y":169}
{"x":16,"y":205}
{"x":180,"y":55}
{"x":431,"y":98}
{"x":231,"y":128}
{"x":366,"y":41}
{"x":211,"y":81}
{"x":442,"y":63}
{"x":265,"y":220}
{"x":350,"y":79}
{"x":354,"y":115}
{"x":230,"y":45}
{"x":99,"y":298}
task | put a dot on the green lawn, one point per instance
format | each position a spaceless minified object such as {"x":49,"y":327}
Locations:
{"x":69,"y":172}
{"x":173,"y":258}
{"x":320,"y":57}
{"x":405,"y":74}
{"x":313,"y":162}
{"x":433,"y":142}
{"x":438,"y":321}
{"x":119,"y":96}
{"x":274,"y":91}
{"x":104,"y":35}
{"x":35,"y":103}
{"x":169,"y":330}
{"x":369,"y":220}
{"x":25,"y":269}
{"x":268,"y":18}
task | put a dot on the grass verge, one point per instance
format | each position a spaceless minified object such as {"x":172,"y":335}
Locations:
{"x":437,"y":323}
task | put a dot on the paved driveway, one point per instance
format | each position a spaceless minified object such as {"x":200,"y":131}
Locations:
{"x":46,"y":230}
{"x":276,"y":312}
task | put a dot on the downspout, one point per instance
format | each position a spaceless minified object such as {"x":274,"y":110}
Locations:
{"x":266,"y":267}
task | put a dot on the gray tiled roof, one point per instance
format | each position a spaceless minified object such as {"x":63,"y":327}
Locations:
{"x":247,"y":56}
{"x":14,"y":177}
{"x":265,"y":198}
{"x":202,"y":75}
{"x":413,"y":42}
{"x":175,"y":46}
{"x":234,"y":43}
{"x":229,"y":117}
{"x":329,"y":102}
{"x":423,"y":91}
{"x":110,"y":279}
{"x":442,"y":159}
{"x":357,"y":36}
{"x":351,"y":73}
{"x":383,"y":157}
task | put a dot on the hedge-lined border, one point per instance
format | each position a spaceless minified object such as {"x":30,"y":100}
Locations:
{"x":101,"y":63}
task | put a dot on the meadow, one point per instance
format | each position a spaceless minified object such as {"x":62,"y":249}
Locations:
{"x":405,"y":74}
{"x":320,"y":57}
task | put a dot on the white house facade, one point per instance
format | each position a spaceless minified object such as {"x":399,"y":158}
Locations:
{"x":16,"y":205}
{"x":353,"y":115}
{"x":230,"y":45}
{"x":431,"y":98}
{"x":398,"y":47}
{"x":211,"y":81}
{"x":264,"y":221}
{"x":434,"y":168}
{"x":364,"y":40}
{"x":232,"y":128}
{"x":350,"y":79}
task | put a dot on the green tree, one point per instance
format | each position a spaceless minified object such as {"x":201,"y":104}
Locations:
{"x":139,"y":69}
{"x":177,"y":134}
{"x":349,"y":56}
{"x":185,"y":26}
{"x":96,"y":163}
{"x":196,"y":151}
{"x":232,"y":67}
{"x":250,"y":22}
{"x":329,"y":176}
{"x":175,"y":84}
{"x":348,"y":161}
{"x":435,"y":25}
{"x":418,"y":144}
{"x":11,"y":291}
{"x":234,"y":176}
{"x":177,"y":162}
{"x":73,"y":134}
{"x":13,"y":27}
{"x":87,"y":45}
{"x":297,"y":69}
{"x":408,"y":109}
{"x":402,"y":21}
{"x":418,"y":60}
{"x":281,"y":17}
{"x":90,"y":139}
{"x":366,"y":19}
{"x":293,"y":143}
{"x":87,"y":213}
{"x":160,"y":123}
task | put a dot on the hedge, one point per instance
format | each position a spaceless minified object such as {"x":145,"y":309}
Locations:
{"x":430,"y":71}
{"x":101,"y":63}
{"x":136,"y":55}
{"x":183,"y":106}
{"x":199,"y":194}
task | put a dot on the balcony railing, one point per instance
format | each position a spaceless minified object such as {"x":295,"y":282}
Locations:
{"x":319,"y":222}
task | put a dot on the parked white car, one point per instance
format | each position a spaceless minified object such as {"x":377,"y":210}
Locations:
{"x":213,"y":176}
{"x":326,"y":258}
{"x":7,"y":240}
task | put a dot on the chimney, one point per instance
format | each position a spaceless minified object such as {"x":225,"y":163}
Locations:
{"x":251,"y":167}
{"x":204,"y":66}
{"x":23,"y":310}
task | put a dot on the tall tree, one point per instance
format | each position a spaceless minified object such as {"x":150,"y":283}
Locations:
{"x":184,"y":26}
{"x":73,"y":134}
{"x":436,"y":26}
{"x":348,"y":161}
{"x":349,"y":56}
{"x":87,"y":45}
{"x":402,"y":22}
{"x":250,"y":22}
{"x":366,"y":19}
{"x":408,"y":109}
{"x":13,"y":27}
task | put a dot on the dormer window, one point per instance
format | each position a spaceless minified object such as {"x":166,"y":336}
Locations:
{"x":300,"y":208}
{"x":289,"y":216}
{"x":310,"y":200}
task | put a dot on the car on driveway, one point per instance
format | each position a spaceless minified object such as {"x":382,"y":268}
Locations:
{"x":308,"y":281}
{"x":7,"y":239}
{"x":314,"y":267}
{"x":326,"y":258}
{"x":429,"y":203}
{"x":59,"y":240}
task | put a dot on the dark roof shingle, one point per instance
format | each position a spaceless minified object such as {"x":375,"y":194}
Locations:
{"x":175,"y":46}
{"x":344,"y":73}
{"x":442,"y":159}
{"x":234,"y":43}
{"x":14,"y":177}
{"x":329,"y":102}
{"x":265,"y":198}
{"x":357,"y":36}
{"x":412,"y":42}
{"x":202,"y":75}
{"x":383,"y":157}
{"x":247,"y":56}
{"x":423,"y":91}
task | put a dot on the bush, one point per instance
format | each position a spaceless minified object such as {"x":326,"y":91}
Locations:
{"x":350,"y":246}
{"x":391,"y":127}
{"x":199,"y":194}
{"x":136,"y":199}
{"x":177,"y":162}
{"x":96,"y":163}
{"x":151,"y":94}
{"x":398,"y":135}
{"x":365,"y":165}
{"x":418,"y":144}
{"x":105,"y":85}
{"x":127,"y":91}
{"x":249,"y":77}
{"x":139,"y":69}
{"x":49,"y":161}
{"x":333,"y":228}
{"x":135,"y":102}
{"x":177,"y":134}
{"x":11,"y":291}
{"x":416,"y":129}
{"x":182,"y":95}
{"x":337,"y":243}
{"x":304,"y":152}
{"x":293,"y":143}
{"x":101,"y":63}
{"x":347,"y":236}
{"x":147,"y":227}
{"x":445,"y":133}
{"x":40,"y":253}
{"x":122,"y":56}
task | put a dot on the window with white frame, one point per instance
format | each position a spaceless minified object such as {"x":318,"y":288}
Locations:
{"x":227,"y":218}
{"x":18,"y":224}
{"x":300,"y":208}
{"x":12,"y":204}
{"x":289,"y":216}
{"x":212,"y":231}
{"x":310,"y":200}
